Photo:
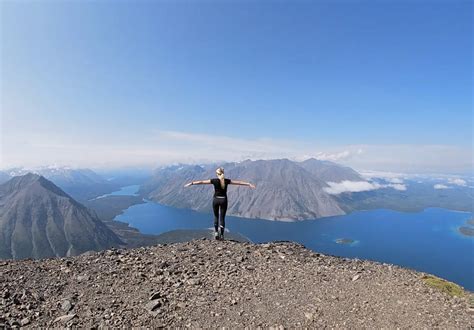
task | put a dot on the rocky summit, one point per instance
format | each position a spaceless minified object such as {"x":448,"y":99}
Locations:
{"x":211,"y":284}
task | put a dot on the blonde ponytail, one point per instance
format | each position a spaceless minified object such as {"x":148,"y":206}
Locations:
{"x":220,"y":175}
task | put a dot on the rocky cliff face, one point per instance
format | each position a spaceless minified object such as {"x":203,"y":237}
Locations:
{"x":211,"y":284}
{"x":39,"y":220}
{"x":285,"y":190}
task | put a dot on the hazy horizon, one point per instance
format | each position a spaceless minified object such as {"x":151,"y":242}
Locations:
{"x":368,"y":173}
{"x":142,"y":84}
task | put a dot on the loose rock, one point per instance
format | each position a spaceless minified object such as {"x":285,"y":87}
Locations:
{"x":356,"y":277}
{"x":209,"y":284}
{"x":65,"y":318}
{"x":66,"y":306}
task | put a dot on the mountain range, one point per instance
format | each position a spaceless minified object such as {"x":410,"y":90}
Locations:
{"x":285,"y":189}
{"x":81,"y":183}
{"x":39,"y":220}
{"x":291,"y":190}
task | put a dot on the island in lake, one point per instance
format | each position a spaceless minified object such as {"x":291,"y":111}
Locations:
{"x":466,"y":231}
{"x":344,"y":241}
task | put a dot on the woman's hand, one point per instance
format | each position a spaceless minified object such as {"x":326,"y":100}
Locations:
{"x":251,"y":186}
{"x":188,"y":184}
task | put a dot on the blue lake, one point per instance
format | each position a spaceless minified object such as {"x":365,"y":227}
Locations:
{"x":428,"y":241}
{"x":124,"y":191}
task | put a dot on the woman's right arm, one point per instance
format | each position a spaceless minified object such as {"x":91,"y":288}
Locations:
{"x":192,"y":183}
{"x":242,"y":183}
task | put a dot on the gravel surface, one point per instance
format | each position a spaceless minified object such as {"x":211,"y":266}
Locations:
{"x":212,"y":284}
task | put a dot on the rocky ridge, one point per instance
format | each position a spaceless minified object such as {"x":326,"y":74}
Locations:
{"x":211,"y":284}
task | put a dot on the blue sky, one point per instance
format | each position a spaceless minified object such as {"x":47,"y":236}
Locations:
{"x":374,"y":84}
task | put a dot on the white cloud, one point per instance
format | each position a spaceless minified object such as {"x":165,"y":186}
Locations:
{"x":336,"y":188}
{"x":458,"y":182}
{"x":453,"y":181}
{"x":440,"y":186}
{"x":350,"y":186}
{"x":338,"y":156}
{"x":395,"y":180}
{"x":397,"y":186}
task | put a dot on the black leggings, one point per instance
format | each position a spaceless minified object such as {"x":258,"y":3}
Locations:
{"x":219,"y":219}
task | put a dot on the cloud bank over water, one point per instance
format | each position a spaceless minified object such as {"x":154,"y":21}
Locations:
{"x":458,"y":182}
{"x":336,"y":188}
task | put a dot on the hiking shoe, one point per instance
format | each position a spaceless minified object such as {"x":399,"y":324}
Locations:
{"x":221,"y":233}
{"x":216,"y":235}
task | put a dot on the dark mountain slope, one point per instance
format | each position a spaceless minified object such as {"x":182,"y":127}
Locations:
{"x":38,"y":220}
